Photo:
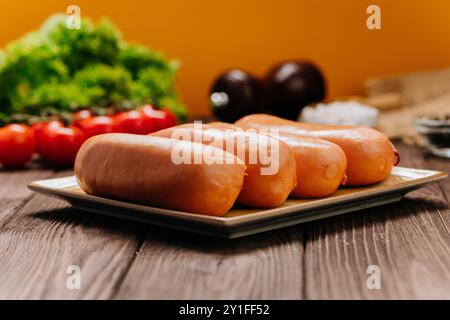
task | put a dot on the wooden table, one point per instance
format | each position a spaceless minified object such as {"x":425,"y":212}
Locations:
{"x":41,"y":237}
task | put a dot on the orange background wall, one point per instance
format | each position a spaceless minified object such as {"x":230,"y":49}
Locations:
{"x":210,"y":36}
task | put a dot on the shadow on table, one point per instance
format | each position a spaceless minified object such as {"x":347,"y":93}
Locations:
{"x":101,"y":225}
{"x":91,"y":223}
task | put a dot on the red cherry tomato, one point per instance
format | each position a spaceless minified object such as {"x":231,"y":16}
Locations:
{"x":150,"y":122}
{"x":171,"y":119}
{"x":38,"y":128}
{"x":59,"y":145}
{"x":96,"y":125}
{"x":131,"y":122}
{"x":17,"y":145}
{"x":158,"y":119}
{"x":80,"y":115}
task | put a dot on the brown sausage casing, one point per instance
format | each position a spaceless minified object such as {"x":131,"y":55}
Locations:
{"x":260,"y":190}
{"x":370,"y":154}
{"x":320,"y":164}
{"x":141,"y":169}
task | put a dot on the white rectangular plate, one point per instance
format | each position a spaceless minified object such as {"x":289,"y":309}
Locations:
{"x":243,"y":221}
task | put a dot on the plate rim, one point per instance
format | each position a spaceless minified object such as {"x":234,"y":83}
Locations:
{"x":263,"y":214}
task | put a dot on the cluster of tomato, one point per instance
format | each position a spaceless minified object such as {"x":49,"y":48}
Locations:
{"x":58,"y":144}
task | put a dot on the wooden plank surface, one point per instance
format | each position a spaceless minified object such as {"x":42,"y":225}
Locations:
{"x":13,"y":191}
{"x":41,"y":237}
{"x":44,"y":237}
{"x":177,"y":265}
{"x":409,"y":241}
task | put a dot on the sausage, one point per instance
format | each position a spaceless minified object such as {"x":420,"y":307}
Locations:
{"x":320,"y":164}
{"x":370,"y":154}
{"x":266,"y":185}
{"x":146,"y":170}
{"x":223,"y":125}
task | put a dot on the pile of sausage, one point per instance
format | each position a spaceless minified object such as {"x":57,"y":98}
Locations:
{"x":314,"y":161}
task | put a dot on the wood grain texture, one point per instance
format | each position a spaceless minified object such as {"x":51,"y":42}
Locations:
{"x":409,"y":241}
{"x":44,"y":237}
{"x":40,"y":237}
{"x":13,"y":188}
{"x":177,"y":265}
